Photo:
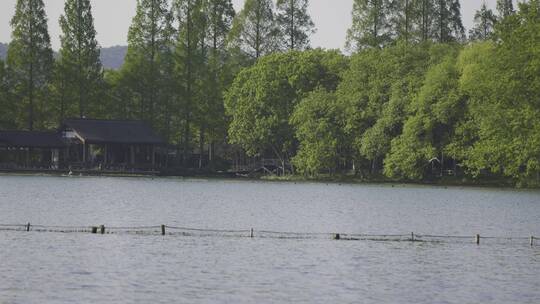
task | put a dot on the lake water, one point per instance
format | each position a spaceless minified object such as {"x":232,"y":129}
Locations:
{"x":50,"y":267}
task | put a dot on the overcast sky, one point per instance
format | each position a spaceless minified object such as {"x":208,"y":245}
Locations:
{"x":113,"y":17}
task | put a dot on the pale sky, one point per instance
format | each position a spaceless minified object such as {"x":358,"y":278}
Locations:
{"x":113,"y":17}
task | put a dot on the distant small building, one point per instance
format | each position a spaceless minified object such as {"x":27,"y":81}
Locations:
{"x":85,"y":144}
{"x":30,"y":149}
{"x":115,"y":144}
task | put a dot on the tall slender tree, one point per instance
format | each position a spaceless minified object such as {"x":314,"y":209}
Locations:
{"x":505,"y":8}
{"x":6,"y":114}
{"x":147,"y":39}
{"x":79,"y":55}
{"x":189,"y":63}
{"x":294,"y":23}
{"x":424,"y":17}
{"x":167,"y":83}
{"x":370,"y":27}
{"x":30,"y":60}
{"x":254,"y":29}
{"x":484,"y":23}
{"x":402,"y":19}
{"x":220,"y":15}
{"x":448,"y":22}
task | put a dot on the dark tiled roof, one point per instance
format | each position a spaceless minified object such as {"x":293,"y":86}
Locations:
{"x":31,"y":139}
{"x":95,"y":131}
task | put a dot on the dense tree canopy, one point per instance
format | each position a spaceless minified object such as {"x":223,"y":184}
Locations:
{"x":413,"y":101}
{"x":263,"y":97}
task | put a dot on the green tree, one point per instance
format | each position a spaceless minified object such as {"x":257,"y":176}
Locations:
{"x":148,"y":38}
{"x":484,"y":24}
{"x":402,"y":17}
{"x":294,"y":23}
{"x":377,"y":91}
{"x":59,"y":96}
{"x":502,"y":81}
{"x":220,"y":14}
{"x":448,"y":23}
{"x":425,"y":15}
{"x":30,"y":62}
{"x":167,"y":84}
{"x":429,"y":127}
{"x":505,"y":8}
{"x":370,"y":28}
{"x":318,"y":121}
{"x":409,"y":65}
{"x":254,"y":30}
{"x":262,"y":98}
{"x":82,"y":78}
{"x":189,"y":65}
{"x":7,"y":106}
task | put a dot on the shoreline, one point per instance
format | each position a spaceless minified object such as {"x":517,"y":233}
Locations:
{"x":338,"y":179}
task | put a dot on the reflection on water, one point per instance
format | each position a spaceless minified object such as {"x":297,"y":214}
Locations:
{"x":63,"y":268}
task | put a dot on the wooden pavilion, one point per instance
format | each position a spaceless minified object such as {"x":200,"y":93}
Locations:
{"x":111,"y":144}
{"x":30,"y":149}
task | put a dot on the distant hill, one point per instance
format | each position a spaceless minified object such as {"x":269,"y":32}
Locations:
{"x":3,"y":50}
{"x":111,"y":58}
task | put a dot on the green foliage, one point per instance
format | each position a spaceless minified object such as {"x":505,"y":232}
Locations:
{"x":429,"y":126}
{"x":262,"y":98}
{"x":189,"y":69}
{"x":447,"y":23}
{"x":220,"y":14}
{"x":6,"y":115}
{"x":294,"y":23}
{"x":319,"y":127}
{"x":503,"y":85}
{"x":143,"y":89}
{"x":403,"y":18}
{"x":484,"y":24}
{"x":412,"y":103}
{"x":409,"y":64}
{"x":370,"y":28}
{"x":79,"y":71}
{"x":505,"y":8}
{"x":424,"y":16}
{"x":30,"y":63}
{"x":254,"y":30}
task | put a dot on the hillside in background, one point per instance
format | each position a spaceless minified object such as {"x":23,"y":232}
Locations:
{"x":111,"y":57}
{"x":3,"y":50}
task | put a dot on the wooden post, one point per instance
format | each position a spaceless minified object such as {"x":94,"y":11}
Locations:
{"x":532,"y":241}
{"x":337,"y":236}
{"x":251,"y":233}
{"x":27,"y":158}
{"x":478,"y":239}
{"x":162,"y":229}
{"x":28,"y":228}
{"x":153,"y":156}
{"x":102,"y":229}
{"x":105,"y":155}
{"x":84,"y":153}
{"x":132,"y":155}
{"x":94,"y":229}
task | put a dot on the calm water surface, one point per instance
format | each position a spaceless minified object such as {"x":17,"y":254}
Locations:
{"x":84,"y":268}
